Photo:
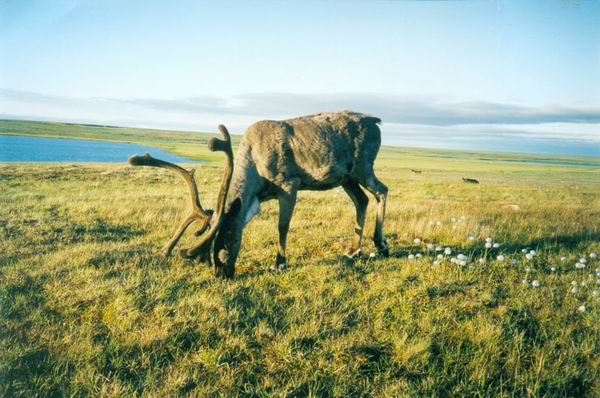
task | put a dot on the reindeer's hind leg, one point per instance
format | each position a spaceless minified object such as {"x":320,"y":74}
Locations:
{"x":361,"y":201}
{"x":379,"y":190}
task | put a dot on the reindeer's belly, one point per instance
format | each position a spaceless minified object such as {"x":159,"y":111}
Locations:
{"x":322,"y":178}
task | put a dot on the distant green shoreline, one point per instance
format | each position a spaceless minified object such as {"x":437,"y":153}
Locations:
{"x":193,"y":145}
{"x":190,"y":145}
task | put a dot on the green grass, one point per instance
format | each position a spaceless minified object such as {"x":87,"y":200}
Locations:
{"x":88,"y":308}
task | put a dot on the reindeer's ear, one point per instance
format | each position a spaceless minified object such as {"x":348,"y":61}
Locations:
{"x":235,"y":207}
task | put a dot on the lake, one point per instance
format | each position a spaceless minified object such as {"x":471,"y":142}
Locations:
{"x":15,"y":148}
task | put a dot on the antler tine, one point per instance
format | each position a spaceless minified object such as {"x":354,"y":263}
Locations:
{"x":224,"y":145}
{"x":187,"y":175}
{"x":197,"y":213}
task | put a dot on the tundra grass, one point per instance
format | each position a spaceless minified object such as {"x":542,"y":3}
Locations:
{"x":88,"y":308}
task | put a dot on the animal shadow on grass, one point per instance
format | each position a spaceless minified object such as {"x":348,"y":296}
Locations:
{"x":68,"y":232}
{"x":29,"y":364}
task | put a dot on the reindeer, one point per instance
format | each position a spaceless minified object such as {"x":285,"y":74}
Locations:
{"x":275,"y":160}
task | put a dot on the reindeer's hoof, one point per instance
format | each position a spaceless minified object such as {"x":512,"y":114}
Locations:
{"x":354,"y":255}
{"x":280,"y":263}
{"x":225,"y":272}
{"x":384,"y":252}
{"x":278,"y":267}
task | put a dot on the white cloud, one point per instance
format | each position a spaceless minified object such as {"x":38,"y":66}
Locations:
{"x":416,"y":121}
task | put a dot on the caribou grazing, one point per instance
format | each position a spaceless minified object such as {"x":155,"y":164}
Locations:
{"x":276,"y":159}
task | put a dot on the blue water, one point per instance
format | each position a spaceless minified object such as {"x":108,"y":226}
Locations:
{"x":37,"y":149}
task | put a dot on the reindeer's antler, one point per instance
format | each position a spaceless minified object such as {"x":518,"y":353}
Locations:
{"x":197,"y":213}
{"x":223,"y":145}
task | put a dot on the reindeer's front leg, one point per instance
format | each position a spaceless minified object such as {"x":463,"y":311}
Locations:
{"x":287,"y":202}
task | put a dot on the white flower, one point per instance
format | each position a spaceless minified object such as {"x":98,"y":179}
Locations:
{"x":563,"y":259}
{"x":430,"y":246}
{"x":579,"y":265}
{"x":461,"y":257}
{"x":447,"y":251}
{"x":418,"y":255}
{"x":583,"y":283}
{"x":462,"y":262}
{"x":471,"y":237}
{"x":532,"y":252}
{"x":525,"y":282}
{"x":524,"y":251}
{"x":453,"y":260}
{"x":500,"y":258}
{"x":529,"y":256}
{"x":574,"y":283}
{"x":536,"y":283}
{"x":438,"y":248}
{"x":581,"y":308}
{"x":574,"y":290}
{"x":552,"y":269}
{"x":488,"y":240}
{"x":482,"y":260}
{"x":595,"y":293}
{"x":496,"y":245}
{"x":411,"y":256}
{"x":373,"y":255}
{"x":593,"y":255}
{"x":440,"y":257}
{"x":488,"y":245}
{"x":527,"y":269}
{"x":417,"y":241}
{"x":436,"y":262}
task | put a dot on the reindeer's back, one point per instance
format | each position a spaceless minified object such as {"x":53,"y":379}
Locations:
{"x":321,"y":150}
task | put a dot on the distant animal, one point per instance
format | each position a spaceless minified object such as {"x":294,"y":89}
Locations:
{"x":470,"y":180}
{"x":275,"y":160}
{"x":416,"y":171}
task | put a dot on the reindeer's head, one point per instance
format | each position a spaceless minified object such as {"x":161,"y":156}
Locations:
{"x":210,"y":220}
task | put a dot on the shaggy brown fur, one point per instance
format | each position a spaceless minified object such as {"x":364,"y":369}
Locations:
{"x":276,"y":159}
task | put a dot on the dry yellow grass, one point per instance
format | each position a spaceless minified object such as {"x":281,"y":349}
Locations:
{"x":88,"y":308}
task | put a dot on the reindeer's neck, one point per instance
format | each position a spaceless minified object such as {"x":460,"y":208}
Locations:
{"x":246,"y":184}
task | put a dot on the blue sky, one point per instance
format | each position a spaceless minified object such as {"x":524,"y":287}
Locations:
{"x":495,"y":75}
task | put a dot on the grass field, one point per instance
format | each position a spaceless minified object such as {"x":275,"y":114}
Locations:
{"x":88,"y":308}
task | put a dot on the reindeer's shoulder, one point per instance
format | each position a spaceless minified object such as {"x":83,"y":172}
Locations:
{"x":266,"y":127}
